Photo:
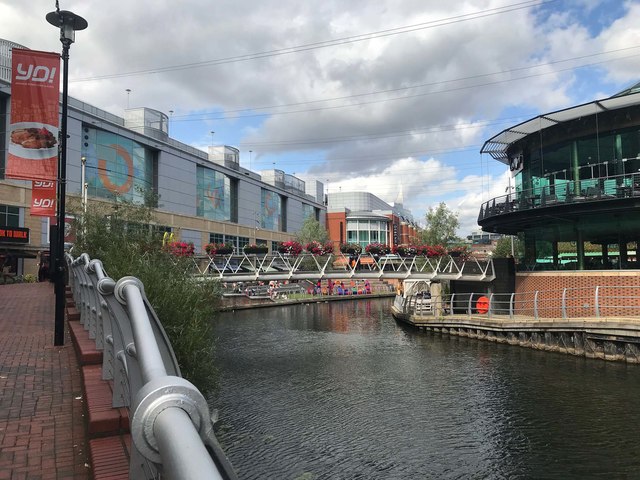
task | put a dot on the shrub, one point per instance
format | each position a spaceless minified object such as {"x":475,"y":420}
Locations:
{"x":127,"y":244}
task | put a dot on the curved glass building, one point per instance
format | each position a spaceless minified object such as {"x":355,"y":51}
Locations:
{"x":575,"y":198}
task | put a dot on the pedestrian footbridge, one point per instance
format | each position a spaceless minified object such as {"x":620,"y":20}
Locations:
{"x":277,"y":266}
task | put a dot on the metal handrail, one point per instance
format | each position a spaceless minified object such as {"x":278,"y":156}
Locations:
{"x":171,"y":428}
{"x":570,"y":191}
{"x":603,"y":301}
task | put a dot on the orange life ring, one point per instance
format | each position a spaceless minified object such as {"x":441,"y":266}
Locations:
{"x":482,"y":305}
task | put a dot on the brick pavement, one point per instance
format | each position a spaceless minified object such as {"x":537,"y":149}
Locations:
{"x":42,"y":428}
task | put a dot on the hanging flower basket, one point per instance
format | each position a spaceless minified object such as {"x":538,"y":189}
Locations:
{"x":405,"y":250}
{"x":256,"y":249}
{"x":431,"y":251}
{"x":290,"y":247}
{"x":459,"y":252}
{"x":180,"y":249}
{"x":317,"y":248}
{"x":377,"y":249}
{"x":219,"y":248}
{"x":351,"y":248}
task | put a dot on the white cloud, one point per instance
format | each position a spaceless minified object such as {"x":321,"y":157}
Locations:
{"x":454,"y":103}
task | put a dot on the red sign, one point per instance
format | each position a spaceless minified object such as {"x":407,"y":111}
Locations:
{"x":33,"y":131}
{"x":43,"y":199}
{"x":14,"y":234}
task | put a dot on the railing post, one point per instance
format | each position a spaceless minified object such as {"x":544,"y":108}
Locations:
{"x":511,"y":307}
{"x":469,"y":305}
{"x":597,"y":301}
{"x":490,"y":310}
{"x":564,"y":303}
{"x":451,"y":306}
{"x":535,"y":305}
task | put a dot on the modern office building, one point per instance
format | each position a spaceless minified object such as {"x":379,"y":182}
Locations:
{"x":202,"y":196}
{"x":363,"y":218}
{"x":576,"y":187}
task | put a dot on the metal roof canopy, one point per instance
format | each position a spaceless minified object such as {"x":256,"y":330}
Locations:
{"x":498,"y":145}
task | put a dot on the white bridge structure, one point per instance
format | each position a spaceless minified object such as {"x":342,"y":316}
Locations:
{"x":277,"y":266}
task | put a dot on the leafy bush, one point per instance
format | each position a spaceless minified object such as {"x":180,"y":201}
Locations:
{"x":127,"y":243}
{"x":405,"y":250}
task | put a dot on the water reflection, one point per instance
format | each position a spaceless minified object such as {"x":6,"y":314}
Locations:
{"x":339,"y":390}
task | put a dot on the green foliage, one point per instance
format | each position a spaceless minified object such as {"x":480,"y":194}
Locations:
{"x":124,"y":238}
{"x":311,"y":230}
{"x":503,"y":248}
{"x":441,"y":226}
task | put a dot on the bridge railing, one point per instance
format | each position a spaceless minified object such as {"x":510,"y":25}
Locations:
{"x":279,"y":266}
{"x":610,"y":301}
{"x":171,"y":427}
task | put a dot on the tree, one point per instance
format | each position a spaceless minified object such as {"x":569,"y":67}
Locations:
{"x":441,"y":226}
{"x":312,"y":230}
{"x":503,"y":247}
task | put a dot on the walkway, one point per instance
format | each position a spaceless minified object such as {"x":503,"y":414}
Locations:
{"x":42,"y":432}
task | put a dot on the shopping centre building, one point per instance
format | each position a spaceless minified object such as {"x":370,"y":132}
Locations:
{"x":202,"y":196}
{"x":363,"y":218}
{"x":576,"y":190}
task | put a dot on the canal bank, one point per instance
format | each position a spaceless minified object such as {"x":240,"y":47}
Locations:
{"x":612,"y":339}
{"x":242,"y":302}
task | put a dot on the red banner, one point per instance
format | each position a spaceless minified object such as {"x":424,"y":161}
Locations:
{"x":33,"y":131}
{"x":43,"y":199}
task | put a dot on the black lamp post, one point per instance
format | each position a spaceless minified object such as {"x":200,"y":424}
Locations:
{"x":68,"y":22}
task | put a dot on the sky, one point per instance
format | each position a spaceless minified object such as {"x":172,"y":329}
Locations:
{"x":393,"y":97}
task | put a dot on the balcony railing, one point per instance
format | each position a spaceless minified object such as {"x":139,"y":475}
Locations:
{"x":563,"y":192}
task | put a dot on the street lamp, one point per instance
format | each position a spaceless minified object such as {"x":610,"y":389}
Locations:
{"x":68,"y":22}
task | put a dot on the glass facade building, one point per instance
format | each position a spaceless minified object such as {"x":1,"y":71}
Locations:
{"x":576,"y":182}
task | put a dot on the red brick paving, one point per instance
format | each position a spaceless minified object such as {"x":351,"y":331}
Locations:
{"x":42,"y":429}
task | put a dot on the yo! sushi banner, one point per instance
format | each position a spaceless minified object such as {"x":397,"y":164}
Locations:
{"x":43,"y":199}
{"x":33,"y":130}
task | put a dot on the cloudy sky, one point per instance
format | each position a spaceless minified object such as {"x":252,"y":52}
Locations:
{"x":370,"y":96}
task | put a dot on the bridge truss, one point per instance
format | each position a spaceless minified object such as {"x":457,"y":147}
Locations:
{"x":277,"y":266}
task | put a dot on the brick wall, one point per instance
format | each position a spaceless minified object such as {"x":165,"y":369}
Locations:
{"x":618,"y":293}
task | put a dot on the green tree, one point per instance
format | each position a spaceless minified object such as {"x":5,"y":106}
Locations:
{"x":441,"y":226}
{"x":311,"y":230}
{"x":503,"y":247}
{"x":123,"y":237}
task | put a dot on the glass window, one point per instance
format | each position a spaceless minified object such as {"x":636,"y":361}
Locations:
{"x":242,"y":242}
{"x":213,"y":194}
{"x":352,"y":236}
{"x":352,"y":224}
{"x":271,"y":210}
{"x":116,"y":166}
{"x":216,"y":238}
{"x":9,"y":216}
{"x":374,"y":236}
{"x":363,"y":236}
{"x":274,"y":246}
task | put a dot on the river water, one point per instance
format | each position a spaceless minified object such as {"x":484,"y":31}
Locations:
{"x":340,"y":391}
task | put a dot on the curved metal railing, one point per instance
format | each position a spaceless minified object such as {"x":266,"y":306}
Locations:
{"x":171,"y":428}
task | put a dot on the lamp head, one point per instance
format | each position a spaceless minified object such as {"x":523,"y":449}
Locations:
{"x":68,"y":22}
